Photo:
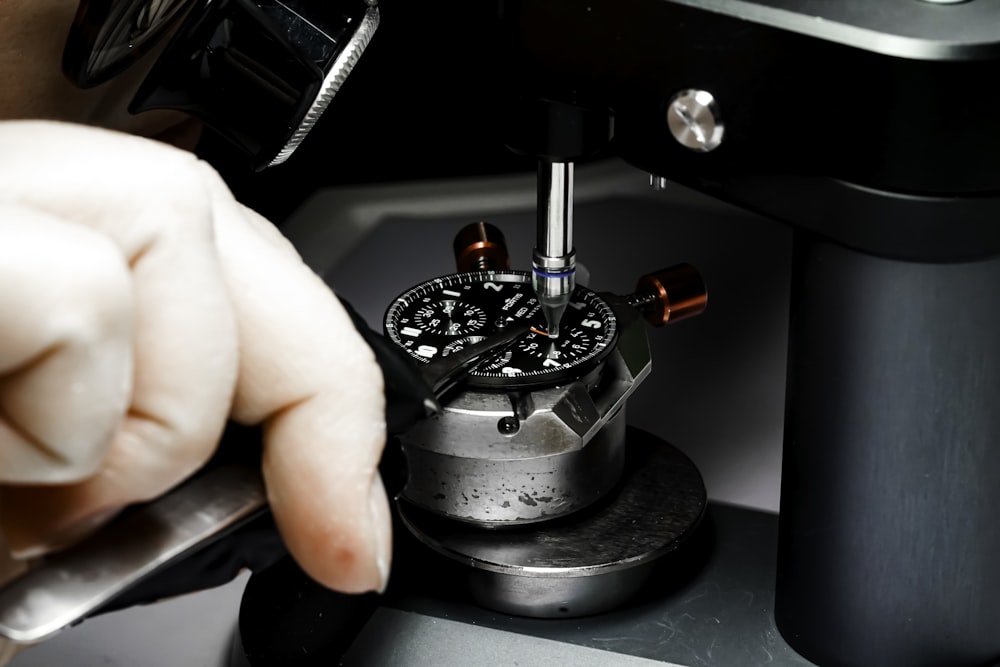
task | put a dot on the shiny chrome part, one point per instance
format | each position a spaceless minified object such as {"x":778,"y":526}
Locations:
{"x":553,"y":279}
{"x":695,"y":120}
{"x":554,"y":259}
{"x":70,"y":585}
{"x":658,"y":183}
{"x":335,"y":78}
{"x":590,"y":562}
{"x":555,"y":238}
{"x":470,"y":464}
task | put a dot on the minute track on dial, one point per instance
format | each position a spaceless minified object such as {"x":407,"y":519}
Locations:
{"x":437,"y":317}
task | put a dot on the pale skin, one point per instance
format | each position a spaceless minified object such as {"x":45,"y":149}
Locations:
{"x":140,"y":307}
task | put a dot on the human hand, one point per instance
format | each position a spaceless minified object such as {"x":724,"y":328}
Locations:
{"x":140,"y":306}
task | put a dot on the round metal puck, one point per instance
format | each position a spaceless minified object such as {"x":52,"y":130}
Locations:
{"x":590,"y":561}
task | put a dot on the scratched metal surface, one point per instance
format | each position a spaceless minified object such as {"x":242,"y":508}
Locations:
{"x":722,"y":617}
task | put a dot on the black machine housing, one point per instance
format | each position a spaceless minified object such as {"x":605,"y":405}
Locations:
{"x":872,"y":127}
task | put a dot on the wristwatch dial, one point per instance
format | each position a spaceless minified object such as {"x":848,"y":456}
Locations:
{"x":442,"y":315}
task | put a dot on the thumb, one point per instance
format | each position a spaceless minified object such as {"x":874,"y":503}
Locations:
{"x":309,"y":377}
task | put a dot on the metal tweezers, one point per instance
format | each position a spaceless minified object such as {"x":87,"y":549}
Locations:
{"x":68,"y":586}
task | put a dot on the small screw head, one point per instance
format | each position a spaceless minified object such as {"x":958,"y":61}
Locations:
{"x":695,"y":120}
{"x":508,"y":425}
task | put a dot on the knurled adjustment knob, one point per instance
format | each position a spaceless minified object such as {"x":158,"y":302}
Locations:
{"x":669,"y":295}
{"x":481,"y":247}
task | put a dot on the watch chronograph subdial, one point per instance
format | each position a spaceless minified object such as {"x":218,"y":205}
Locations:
{"x":450,"y":318}
{"x":460,"y":344}
{"x":571,"y":345}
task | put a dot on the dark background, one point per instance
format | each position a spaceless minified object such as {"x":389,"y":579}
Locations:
{"x":423,"y":102}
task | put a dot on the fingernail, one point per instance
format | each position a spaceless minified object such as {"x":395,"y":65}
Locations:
{"x":381,"y":527}
{"x":26,"y":548}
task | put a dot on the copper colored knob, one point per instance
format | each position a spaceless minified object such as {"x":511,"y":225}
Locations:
{"x":481,"y":247}
{"x":669,"y":295}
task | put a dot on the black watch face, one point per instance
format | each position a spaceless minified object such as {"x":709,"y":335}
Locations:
{"x":443,"y":315}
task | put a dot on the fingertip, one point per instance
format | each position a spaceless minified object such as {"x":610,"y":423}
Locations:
{"x":339,"y":532}
{"x":381,"y":519}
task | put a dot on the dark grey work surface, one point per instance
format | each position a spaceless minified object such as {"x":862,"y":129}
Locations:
{"x":420,"y":641}
{"x":720,"y":618}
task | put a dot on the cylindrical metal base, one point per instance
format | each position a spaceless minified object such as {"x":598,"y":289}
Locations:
{"x":515,"y":487}
{"x":586,"y":563}
{"x":890,"y":530}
